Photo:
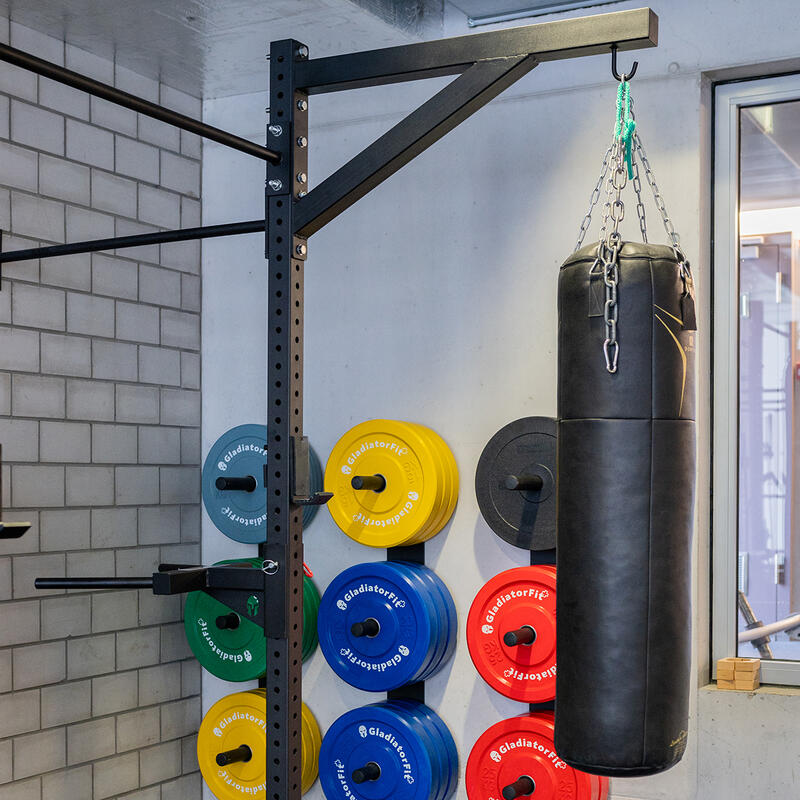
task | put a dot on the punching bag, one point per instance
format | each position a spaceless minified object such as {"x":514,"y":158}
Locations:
{"x":625,"y":497}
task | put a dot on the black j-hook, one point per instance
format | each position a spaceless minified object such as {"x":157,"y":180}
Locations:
{"x":623,"y":77}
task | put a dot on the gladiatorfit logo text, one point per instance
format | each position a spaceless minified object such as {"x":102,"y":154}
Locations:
{"x":365,"y":588}
{"x":392,"y":447}
{"x":502,"y":599}
{"x":246,"y":790}
{"x":236,"y":658}
{"x":240,"y":520}
{"x":222,"y":465}
{"x":529,"y":744}
{"x":349,"y":655}
{"x":235,"y":717}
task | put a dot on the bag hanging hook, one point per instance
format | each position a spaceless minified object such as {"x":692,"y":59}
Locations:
{"x":623,"y":77}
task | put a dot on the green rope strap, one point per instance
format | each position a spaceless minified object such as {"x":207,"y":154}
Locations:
{"x":625,"y":124}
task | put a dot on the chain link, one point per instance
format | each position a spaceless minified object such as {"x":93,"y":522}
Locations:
{"x":674,"y":239}
{"x":613,"y":179}
{"x":587,"y":220}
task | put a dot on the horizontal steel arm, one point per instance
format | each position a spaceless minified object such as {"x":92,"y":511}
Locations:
{"x":68,"y":77}
{"x":136,"y":240}
{"x":419,"y":130}
{"x":547,"y":41}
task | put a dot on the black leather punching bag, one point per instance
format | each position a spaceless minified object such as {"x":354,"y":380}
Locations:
{"x":625,"y":498}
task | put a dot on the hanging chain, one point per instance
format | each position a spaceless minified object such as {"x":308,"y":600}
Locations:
{"x":674,"y":239}
{"x":587,"y":220}
{"x":608,"y":256}
{"x":613,"y":179}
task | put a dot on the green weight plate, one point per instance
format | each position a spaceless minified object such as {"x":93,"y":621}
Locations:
{"x":231,"y":646}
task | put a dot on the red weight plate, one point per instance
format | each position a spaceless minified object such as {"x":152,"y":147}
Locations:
{"x":604,"y":788}
{"x":518,"y":748}
{"x":520,"y":598}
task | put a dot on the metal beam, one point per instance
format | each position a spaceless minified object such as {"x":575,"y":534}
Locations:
{"x":137,"y":240}
{"x":56,"y":72}
{"x":419,"y":130}
{"x":547,"y":41}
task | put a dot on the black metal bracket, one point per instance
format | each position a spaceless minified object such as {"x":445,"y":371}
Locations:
{"x":232,"y":584}
{"x":301,"y":465}
{"x":9,"y":530}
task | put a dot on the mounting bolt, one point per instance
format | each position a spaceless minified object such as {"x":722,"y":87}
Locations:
{"x":302,"y":194}
{"x":302,"y":51}
{"x":301,"y":249}
{"x":275,"y":184}
{"x":301,"y":177}
{"x":302,"y":141}
{"x":302,"y":105}
{"x":269,"y":566}
{"x":275,"y":130}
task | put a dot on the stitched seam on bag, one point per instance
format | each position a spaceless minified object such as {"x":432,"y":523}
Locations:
{"x":649,"y":533}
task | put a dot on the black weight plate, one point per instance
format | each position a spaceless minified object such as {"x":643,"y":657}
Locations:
{"x":524,"y":518}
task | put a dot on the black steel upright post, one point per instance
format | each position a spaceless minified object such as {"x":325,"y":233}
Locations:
{"x":283,"y":551}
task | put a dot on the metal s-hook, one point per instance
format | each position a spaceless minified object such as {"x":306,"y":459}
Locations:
{"x":624,"y":76}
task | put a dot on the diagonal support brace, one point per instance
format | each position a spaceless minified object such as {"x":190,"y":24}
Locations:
{"x":472,"y":90}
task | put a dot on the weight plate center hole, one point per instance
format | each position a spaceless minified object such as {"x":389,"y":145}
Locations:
{"x":369,"y":772}
{"x":525,"y":636}
{"x":375,"y":483}
{"x":524,"y":786}
{"x":370,"y":628}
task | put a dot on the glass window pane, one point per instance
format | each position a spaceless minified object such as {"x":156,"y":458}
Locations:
{"x":768,"y":577}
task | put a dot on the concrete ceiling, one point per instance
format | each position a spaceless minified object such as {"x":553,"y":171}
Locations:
{"x":216,"y":48}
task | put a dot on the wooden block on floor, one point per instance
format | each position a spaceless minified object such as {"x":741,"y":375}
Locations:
{"x":747,"y":665}
{"x":725,"y":674}
{"x":730,"y":685}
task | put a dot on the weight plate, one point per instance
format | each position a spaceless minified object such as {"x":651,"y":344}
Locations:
{"x":441,"y":737}
{"x":311,"y":599}
{"x":525,"y":449}
{"x":416,"y":575}
{"x":448,"y":493}
{"x":240,"y":514}
{"x":446,"y":609}
{"x":240,"y":720}
{"x":407,"y":631}
{"x":519,"y":599}
{"x":236,"y":720}
{"x":312,"y":741}
{"x":387,"y":738}
{"x":522,"y":747}
{"x":231,"y":646}
{"x":403,"y":509}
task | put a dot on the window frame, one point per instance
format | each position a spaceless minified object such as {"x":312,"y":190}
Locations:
{"x":728,"y":99}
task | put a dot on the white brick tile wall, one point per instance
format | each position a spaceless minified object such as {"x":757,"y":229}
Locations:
{"x":99,"y":418}
{"x":116,"y":277}
{"x":87,"y":144}
{"x":64,"y":180}
{"x":37,"y":127}
{"x":114,"y":693}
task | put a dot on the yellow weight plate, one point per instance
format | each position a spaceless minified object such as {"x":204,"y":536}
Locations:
{"x":312,"y":741}
{"x":397,"y":514}
{"x":443,"y":488}
{"x":240,"y":719}
{"x":452,"y":469}
{"x":236,"y":720}
{"x":450,"y":481}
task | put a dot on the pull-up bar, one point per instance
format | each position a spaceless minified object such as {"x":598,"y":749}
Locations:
{"x":56,"y":72}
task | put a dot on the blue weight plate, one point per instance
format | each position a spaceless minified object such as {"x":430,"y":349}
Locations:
{"x":448,"y":743}
{"x":447,"y":609}
{"x":402,"y":648}
{"x":383,"y":735}
{"x":440,"y":758}
{"x":421,"y":576}
{"x":240,"y":453}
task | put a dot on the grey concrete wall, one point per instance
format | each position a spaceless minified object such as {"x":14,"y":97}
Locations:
{"x":100,"y":427}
